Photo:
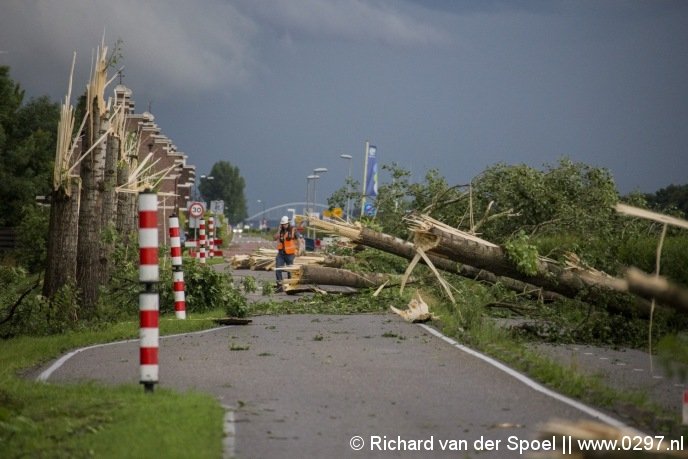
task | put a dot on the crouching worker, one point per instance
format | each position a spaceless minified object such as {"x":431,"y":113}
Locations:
{"x":287,"y":245}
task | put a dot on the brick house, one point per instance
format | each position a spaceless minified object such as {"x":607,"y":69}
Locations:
{"x":176,"y":187}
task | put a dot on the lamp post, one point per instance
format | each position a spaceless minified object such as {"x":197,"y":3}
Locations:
{"x":310,"y":178}
{"x":199,"y":197}
{"x":204,"y":177}
{"x":348,"y":184}
{"x":317,"y":171}
{"x":262,"y":218}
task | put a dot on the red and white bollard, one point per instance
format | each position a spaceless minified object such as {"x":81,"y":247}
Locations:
{"x":211,"y":236}
{"x":148,"y":335}
{"x":179,"y":294}
{"x":685,"y":407}
{"x":201,"y":240}
{"x":177,"y":272}
{"x":175,"y":241}
{"x":149,"y":276}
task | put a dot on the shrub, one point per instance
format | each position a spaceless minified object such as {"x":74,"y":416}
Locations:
{"x":206,"y":290}
{"x":25,"y":312}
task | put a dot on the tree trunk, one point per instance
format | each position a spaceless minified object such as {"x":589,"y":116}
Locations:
{"x":581,"y":284}
{"x":405,"y":249}
{"x":110,"y":181}
{"x":320,"y":275}
{"x":665,"y":292}
{"x":336,"y":261}
{"x":62,"y":240}
{"x":90,"y":256}
{"x":109,"y":210}
{"x":494,"y":259}
{"x":126,"y":207}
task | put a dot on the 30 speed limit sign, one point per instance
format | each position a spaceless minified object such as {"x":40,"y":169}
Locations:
{"x":196,"y":209}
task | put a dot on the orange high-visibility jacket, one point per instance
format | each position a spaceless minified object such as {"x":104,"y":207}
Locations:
{"x":288,"y":241}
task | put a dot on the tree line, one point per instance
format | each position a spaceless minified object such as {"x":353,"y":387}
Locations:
{"x":87,"y":165}
{"x":562,"y":207}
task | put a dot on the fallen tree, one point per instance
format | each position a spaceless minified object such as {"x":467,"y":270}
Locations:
{"x":660,"y":288}
{"x":405,"y":249}
{"x":571,"y":280}
{"x":321,"y":275}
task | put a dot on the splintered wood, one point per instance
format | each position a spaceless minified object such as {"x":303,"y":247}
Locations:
{"x":263,"y":259}
{"x":619,"y":442}
{"x":311,"y":274}
{"x":571,"y":280}
{"x":405,"y":249}
{"x":417,"y":311}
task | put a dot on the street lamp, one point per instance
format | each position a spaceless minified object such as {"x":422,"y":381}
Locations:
{"x":317,"y":171}
{"x":310,"y":178}
{"x":204,"y":177}
{"x":262,"y":218}
{"x":348,"y":184}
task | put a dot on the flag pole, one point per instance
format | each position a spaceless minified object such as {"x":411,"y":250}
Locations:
{"x":365,"y":177}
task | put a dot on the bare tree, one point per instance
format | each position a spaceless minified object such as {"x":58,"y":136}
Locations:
{"x":64,"y":210}
{"x":91,"y":259}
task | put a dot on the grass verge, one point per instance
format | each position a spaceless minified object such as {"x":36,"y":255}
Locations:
{"x":93,"y":420}
{"x":483,"y":334}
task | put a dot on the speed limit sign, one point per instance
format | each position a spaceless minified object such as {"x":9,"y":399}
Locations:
{"x":196,"y":209}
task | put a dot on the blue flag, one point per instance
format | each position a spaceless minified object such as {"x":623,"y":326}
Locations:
{"x":371,"y":174}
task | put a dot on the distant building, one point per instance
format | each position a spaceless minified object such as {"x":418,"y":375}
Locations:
{"x":176,"y":188}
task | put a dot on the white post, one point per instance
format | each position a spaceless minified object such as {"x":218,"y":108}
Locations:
{"x":365,"y":177}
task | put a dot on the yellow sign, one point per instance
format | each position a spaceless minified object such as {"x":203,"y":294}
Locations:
{"x":336,"y":212}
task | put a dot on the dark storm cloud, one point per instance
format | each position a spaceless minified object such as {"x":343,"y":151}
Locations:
{"x":281,"y":87}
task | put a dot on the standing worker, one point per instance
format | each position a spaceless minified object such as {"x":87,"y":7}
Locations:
{"x":287,"y":246}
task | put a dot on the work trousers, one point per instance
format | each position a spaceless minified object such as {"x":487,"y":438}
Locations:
{"x":283,"y":259}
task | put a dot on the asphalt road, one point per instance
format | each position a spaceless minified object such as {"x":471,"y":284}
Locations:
{"x":300,"y":386}
{"x":305,"y":385}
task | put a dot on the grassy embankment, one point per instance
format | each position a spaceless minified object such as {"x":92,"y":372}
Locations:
{"x":91,"y":420}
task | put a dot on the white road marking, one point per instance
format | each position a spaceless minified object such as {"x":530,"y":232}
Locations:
{"x":45,"y":374}
{"x":229,"y":427}
{"x":535,"y":385}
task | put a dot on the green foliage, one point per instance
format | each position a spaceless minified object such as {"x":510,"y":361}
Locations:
{"x":206,"y":289}
{"x":392,"y":203}
{"x":23,"y":311}
{"x":669,"y":199}
{"x":227,"y":185}
{"x":27,"y":148}
{"x":569,"y":198}
{"x":350,"y":192}
{"x":522,"y":253}
{"x":248,"y":283}
{"x":119,"y":297}
{"x":363,"y":302}
{"x":640,"y":250}
{"x":32,"y":234}
{"x":86,"y":420}
{"x":436,"y":198}
{"x":267,"y":288}
{"x":673,"y":354}
{"x":377,"y":261}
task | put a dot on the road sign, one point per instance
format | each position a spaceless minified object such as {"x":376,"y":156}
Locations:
{"x":196,"y":209}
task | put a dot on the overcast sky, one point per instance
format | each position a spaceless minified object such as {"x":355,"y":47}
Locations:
{"x":280,"y":87}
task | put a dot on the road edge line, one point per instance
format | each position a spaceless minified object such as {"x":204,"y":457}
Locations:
{"x":532,"y":383}
{"x":45,"y":374}
{"x":229,"y":429}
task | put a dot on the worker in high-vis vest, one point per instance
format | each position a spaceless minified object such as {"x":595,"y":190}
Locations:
{"x":287,"y":246}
